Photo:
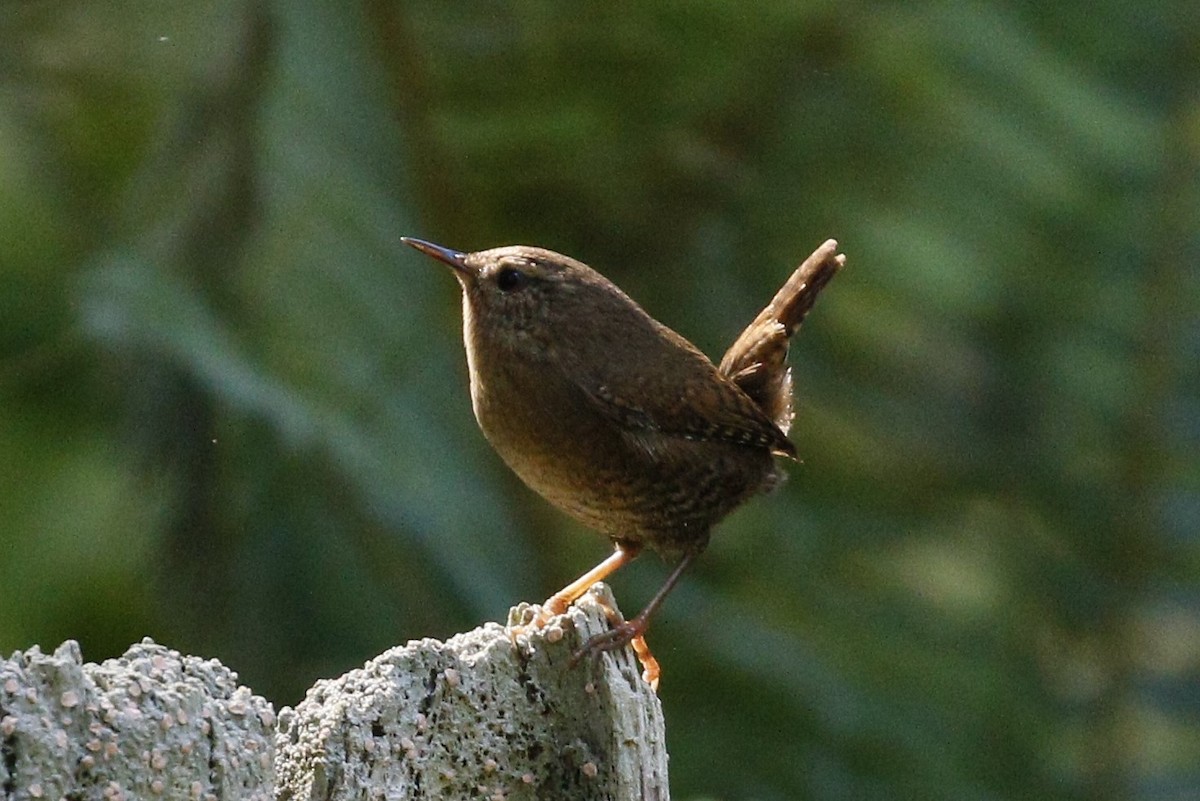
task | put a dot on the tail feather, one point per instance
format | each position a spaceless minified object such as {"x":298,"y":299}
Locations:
{"x":757,"y":360}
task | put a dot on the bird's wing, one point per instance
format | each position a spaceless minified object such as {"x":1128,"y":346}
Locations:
{"x":687,"y":399}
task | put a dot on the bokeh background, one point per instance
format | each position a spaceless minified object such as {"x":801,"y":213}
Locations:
{"x":233,"y":407}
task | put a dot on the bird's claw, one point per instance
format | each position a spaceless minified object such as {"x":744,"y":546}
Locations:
{"x":535,"y":617}
{"x":622,"y":633}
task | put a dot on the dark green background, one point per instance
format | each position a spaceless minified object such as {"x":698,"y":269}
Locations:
{"x":233,"y":407}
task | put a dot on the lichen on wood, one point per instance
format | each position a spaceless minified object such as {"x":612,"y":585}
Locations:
{"x":482,"y":715}
{"x":488,"y":714}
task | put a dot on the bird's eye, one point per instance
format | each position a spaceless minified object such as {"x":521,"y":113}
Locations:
{"x":510,"y":279}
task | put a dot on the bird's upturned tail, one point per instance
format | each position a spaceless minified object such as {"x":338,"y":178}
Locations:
{"x":757,"y":360}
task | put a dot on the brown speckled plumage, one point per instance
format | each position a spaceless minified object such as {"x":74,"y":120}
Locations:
{"x":615,"y":418}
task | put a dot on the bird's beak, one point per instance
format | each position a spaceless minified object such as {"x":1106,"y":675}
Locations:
{"x":454,"y":258}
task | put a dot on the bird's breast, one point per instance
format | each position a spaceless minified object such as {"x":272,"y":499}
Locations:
{"x":627,"y":483}
{"x":632,"y":486}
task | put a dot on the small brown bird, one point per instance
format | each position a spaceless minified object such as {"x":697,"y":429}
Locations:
{"x":616,"y":419}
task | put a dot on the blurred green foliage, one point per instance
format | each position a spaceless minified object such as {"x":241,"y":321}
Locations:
{"x":233,"y":409}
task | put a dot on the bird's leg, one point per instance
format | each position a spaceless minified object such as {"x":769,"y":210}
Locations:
{"x":560,"y":601}
{"x":632,"y":632}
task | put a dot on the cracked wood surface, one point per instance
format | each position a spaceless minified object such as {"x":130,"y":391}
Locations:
{"x":485,"y":715}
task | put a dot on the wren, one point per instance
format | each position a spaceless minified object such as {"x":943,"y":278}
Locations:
{"x":616,"y":419}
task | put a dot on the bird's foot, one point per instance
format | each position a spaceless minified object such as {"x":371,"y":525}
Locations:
{"x":527,"y":618}
{"x":623,"y":632}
